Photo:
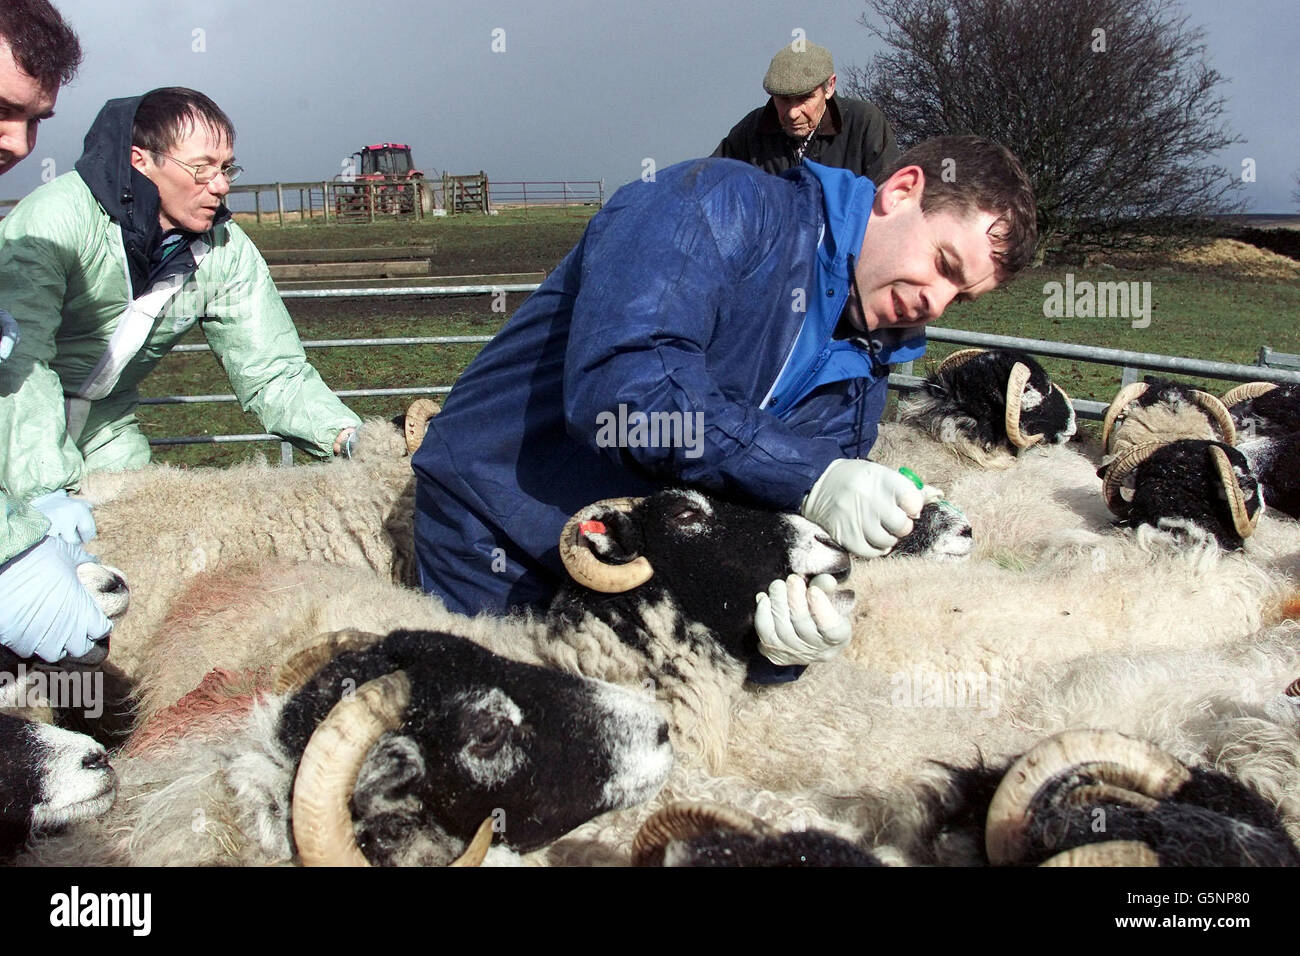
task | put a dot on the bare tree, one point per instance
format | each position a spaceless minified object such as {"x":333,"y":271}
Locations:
{"x":1295,"y":193}
{"x":1110,"y":104}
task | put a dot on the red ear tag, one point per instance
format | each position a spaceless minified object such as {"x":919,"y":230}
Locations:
{"x":592,"y":527}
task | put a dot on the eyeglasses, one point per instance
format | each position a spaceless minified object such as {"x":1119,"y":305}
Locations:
{"x":207,"y":172}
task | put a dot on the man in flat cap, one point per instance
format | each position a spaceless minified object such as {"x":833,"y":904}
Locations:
{"x":805,"y":120}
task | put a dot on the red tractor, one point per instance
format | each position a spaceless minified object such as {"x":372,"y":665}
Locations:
{"x":382,"y":173}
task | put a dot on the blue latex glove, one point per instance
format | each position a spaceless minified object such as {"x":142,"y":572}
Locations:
{"x":70,"y":518}
{"x":8,"y":334}
{"x":45,"y":611}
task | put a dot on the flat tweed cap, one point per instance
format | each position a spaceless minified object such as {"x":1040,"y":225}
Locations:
{"x":793,"y":73}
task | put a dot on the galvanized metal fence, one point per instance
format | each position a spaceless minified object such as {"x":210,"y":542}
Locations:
{"x":359,"y":200}
{"x":1283,"y":370}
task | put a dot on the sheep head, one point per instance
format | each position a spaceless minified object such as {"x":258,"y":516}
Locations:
{"x":1205,"y":484}
{"x":432,"y":741}
{"x":1263,"y":409}
{"x":1154,"y":810}
{"x":705,"y":557}
{"x":985,"y":400}
{"x":50,"y":777}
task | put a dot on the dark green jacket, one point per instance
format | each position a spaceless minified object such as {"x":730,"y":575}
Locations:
{"x":853,"y":134}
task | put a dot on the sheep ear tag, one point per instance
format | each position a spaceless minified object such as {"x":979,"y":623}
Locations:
{"x":592,"y":527}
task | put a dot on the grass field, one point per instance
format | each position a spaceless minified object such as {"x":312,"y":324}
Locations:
{"x":1206,"y":309}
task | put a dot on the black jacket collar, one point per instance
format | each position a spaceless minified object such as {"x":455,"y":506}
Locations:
{"x":128,"y":196}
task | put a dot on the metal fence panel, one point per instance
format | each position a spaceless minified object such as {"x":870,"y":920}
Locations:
{"x":901,"y":380}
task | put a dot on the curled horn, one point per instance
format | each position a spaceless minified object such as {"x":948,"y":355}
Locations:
{"x":1129,"y":393}
{"x":1110,"y":853}
{"x":957,"y":359}
{"x":1121,"y":468}
{"x":1241,"y":521}
{"x":587,"y":569}
{"x":417,"y":420}
{"x":327,"y":774}
{"x":1245,"y":392}
{"x":1120,"y":763}
{"x":1016,"y":382}
{"x":303,"y":665}
{"x":1219,"y":412}
{"x":684,"y":821}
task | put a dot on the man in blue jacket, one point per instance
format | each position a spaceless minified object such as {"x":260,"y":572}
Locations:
{"x":760,"y":312}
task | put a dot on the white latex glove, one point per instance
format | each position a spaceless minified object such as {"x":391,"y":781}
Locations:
{"x":797,"y":624}
{"x":8,"y":334}
{"x":70,"y":518}
{"x":45,"y":611}
{"x":864,"y":506}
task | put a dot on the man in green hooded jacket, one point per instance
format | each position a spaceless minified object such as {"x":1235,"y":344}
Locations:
{"x":104,"y":269}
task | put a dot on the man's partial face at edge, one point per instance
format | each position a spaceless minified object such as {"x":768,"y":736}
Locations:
{"x":800,"y":115}
{"x":183,"y":203}
{"x":912,"y":266}
{"x":24,"y":102}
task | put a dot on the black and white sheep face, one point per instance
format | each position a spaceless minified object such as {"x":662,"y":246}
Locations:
{"x":966,"y":403}
{"x":536,"y":751}
{"x":940,"y":533}
{"x":50,"y":777}
{"x":707,"y":559}
{"x":1179,"y":489}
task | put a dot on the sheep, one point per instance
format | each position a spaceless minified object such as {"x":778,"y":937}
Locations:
{"x":707,"y":834}
{"x":1160,"y":410}
{"x":1263,"y":409}
{"x":1081,"y":797}
{"x":726,"y":738}
{"x":671,"y":629}
{"x":1190,"y":487}
{"x":50,"y":778}
{"x":1267,"y":418}
{"x":685,"y":625}
{"x":838,"y":751}
{"x":990,"y":405}
{"x":161,"y":525}
{"x":435,"y":742}
{"x":1124,"y":800}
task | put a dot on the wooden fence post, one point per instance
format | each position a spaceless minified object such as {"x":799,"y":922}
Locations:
{"x":279,"y":203}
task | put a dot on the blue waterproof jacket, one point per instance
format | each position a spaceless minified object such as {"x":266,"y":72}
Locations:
{"x":713,"y":292}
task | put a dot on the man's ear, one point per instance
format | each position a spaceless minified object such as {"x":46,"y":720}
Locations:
{"x":905,"y":185}
{"x":830,"y":86}
{"x":141,"y":160}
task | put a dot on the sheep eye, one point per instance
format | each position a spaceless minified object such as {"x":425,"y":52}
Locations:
{"x":489,"y":734}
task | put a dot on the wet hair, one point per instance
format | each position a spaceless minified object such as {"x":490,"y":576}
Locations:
{"x":43,"y":45}
{"x":966,"y":174}
{"x":167,"y":115}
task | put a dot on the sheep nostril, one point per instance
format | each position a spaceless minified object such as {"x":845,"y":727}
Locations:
{"x":95,"y":761}
{"x":663,"y":734}
{"x":967,"y":532}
